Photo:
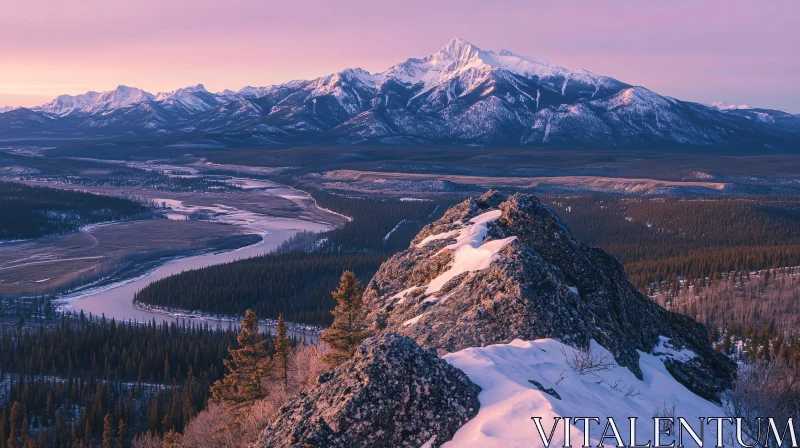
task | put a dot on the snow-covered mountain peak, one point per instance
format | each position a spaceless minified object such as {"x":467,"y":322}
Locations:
{"x":192,"y":99}
{"x":725,"y":106}
{"x":253,"y":92}
{"x":457,"y":50}
{"x":640,"y":96}
{"x":182,"y":91}
{"x":66,"y":104}
{"x":118,"y":98}
{"x":462,"y":60}
{"x":458,"y":93}
{"x":361,"y":75}
{"x":195,"y":88}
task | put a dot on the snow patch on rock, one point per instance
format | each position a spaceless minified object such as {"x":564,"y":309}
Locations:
{"x":470,"y":253}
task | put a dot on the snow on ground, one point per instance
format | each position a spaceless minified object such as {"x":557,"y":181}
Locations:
{"x":469,"y":252}
{"x":438,"y":236}
{"x":509,"y":399}
{"x":469,"y":257}
{"x":394,"y":229}
{"x":665,"y":349}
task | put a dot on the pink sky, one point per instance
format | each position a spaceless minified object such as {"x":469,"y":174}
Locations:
{"x":741,"y":52}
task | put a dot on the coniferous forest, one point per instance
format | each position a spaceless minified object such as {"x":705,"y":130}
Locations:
{"x":62,"y":380}
{"x":31,"y":212}
{"x":664,"y":239}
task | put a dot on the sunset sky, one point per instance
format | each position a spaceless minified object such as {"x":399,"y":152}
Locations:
{"x":740,"y":52}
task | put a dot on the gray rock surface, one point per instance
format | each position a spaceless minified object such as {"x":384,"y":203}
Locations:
{"x":392,"y":393}
{"x":543,"y":284}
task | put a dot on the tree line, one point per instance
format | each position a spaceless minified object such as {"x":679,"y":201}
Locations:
{"x":31,"y":212}
{"x":664,"y":239}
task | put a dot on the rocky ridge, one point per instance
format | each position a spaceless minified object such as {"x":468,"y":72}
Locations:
{"x":500,"y":268}
{"x":392,"y":393}
{"x":494,"y":270}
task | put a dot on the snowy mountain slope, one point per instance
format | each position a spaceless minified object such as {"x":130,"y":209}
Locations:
{"x":66,"y":104}
{"x":461,"y":94}
{"x":190,"y":99}
{"x":509,"y":399}
{"x":118,"y":98}
{"x":148,"y":116}
{"x":470,"y":66}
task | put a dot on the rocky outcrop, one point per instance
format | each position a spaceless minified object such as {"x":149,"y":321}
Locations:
{"x":392,"y":393}
{"x":499,"y":268}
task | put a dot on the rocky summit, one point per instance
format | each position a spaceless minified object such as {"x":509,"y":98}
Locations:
{"x":500,"y":268}
{"x":392,"y":393}
{"x":493,"y":270}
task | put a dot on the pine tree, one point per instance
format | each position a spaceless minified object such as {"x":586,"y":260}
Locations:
{"x":246,"y":368}
{"x":280,"y":361}
{"x":13,"y":425}
{"x":108,"y":432}
{"x":122,"y":434}
{"x":3,"y":427}
{"x":87,"y":434}
{"x":349,"y":328}
{"x":172,"y":439}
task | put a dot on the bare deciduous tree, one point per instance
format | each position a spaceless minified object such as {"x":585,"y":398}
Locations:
{"x":214,"y":428}
{"x":147,"y":440}
{"x":666,"y":412}
{"x":764,"y":389}
{"x":585,"y":361}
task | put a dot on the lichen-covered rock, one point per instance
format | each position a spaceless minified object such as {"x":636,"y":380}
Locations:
{"x":499,"y":268}
{"x":392,"y":393}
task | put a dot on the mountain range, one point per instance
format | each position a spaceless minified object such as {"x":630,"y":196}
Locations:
{"x":460,"y":95}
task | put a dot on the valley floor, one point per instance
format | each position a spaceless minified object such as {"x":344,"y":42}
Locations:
{"x":56,"y":263}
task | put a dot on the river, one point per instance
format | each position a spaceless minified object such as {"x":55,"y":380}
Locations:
{"x":116,"y":300}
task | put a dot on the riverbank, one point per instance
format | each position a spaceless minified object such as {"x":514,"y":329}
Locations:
{"x":115,"y":300}
{"x":270,"y":324}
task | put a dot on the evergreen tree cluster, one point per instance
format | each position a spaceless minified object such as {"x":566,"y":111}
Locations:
{"x":297,"y":285}
{"x":257,"y":383}
{"x":664,"y":239}
{"x":749,"y":343}
{"x":80,"y":381}
{"x":31,"y":212}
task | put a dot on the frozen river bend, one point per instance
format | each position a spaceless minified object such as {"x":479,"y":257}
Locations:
{"x":116,"y":300}
{"x":272,"y":211}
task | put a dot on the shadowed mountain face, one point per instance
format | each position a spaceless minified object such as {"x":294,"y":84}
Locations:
{"x":459,"y":95}
{"x":501,"y":268}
